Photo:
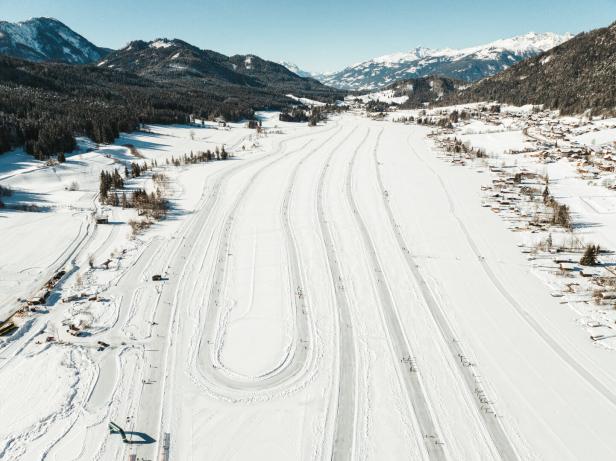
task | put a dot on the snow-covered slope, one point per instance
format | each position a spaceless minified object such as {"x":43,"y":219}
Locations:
{"x":574,"y":77}
{"x":46,"y":39}
{"x":176,"y":60}
{"x":296,"y":69}
{"x":415,"y":92}
{"x":468,"y":64}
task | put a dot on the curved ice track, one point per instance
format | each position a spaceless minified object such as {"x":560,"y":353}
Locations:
{"x":211,"y":373}
{"x":179,"y":260}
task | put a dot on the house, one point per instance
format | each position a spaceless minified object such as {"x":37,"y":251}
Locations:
{"x":39,"y":298}
{"x":6,"y":328}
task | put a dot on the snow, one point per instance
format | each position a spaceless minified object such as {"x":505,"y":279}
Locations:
{"x":395,"y":58}
{"x":306,"y":101}
{"x":30,"y":34}
{"x":597,"y":138}
{"x":521,"y":45}
{"x":387,"y":96}
{"x":296,"y":69}
{"x":497,"y":142}
{"x":23,"y":33}
{"x":330,"y":291}
{"x":161,"y":44}
{"x":378,"y":72}
{"x":545,"y":60}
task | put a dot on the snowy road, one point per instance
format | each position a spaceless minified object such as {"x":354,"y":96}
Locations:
{"x":338,"y":294}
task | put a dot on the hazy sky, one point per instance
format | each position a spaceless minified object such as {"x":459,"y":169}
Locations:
{"x":317,"y":35}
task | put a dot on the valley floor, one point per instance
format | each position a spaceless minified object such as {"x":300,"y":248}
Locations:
{"x":334,"y":292}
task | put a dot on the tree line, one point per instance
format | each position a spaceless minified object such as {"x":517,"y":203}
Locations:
{"x":44,"y":106}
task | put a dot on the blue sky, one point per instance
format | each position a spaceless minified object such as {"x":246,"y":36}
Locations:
{"x":318,"y":35}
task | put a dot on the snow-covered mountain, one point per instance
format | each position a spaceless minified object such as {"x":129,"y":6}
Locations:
{"x":46,"y":39}
{"x":296,"y":69}
{"x":469,"y":64}
{"x":177,"y":61}
{"x":574,"y":77}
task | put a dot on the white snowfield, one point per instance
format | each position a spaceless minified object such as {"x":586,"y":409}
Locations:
{"x":334,"y":292}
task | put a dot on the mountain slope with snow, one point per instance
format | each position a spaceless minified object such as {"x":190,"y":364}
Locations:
{"x":296,"y":69}
{"x":468,"y":64}
{"x":179,"y":61}
{"x":573,"y":77}
{"x":46,"y":39}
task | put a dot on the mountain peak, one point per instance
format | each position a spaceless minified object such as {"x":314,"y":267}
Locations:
{"x":167,"y":60}
{"x":575,"y":76}
{"x":530,"y":42}
{"x":46,"y":39}
{"x":469,"y":64}
{"x":39,"y":21}
{"x":388,"y":59}
{"x":296,"y":69}
{"x":161,"y":43}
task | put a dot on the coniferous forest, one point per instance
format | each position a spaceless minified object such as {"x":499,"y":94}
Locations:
{"x":45,"y":105}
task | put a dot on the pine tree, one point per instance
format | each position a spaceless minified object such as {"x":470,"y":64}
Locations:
{"x":590,"y":256}
{"x":104,"y":185}
{"x":546,"y":194}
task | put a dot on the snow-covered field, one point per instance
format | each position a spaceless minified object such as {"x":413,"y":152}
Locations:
{"x":387,"y":96}
{"x":334,"y":292}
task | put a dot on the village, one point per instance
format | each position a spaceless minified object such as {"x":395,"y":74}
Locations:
{"x":551,"y":177}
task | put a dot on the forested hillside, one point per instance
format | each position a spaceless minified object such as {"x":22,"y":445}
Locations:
{"x":44,"y":105}
{"x":574,"y":77}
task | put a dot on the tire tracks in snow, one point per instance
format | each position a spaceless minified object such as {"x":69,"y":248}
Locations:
{"x":517,"y":307}
{"x":397,"y":339}
{"x":491,"y":422}
{"x":177,"y":257}
{"x":217,"y":312}
{"x":228,"y":385}
{"x":344,"y":425}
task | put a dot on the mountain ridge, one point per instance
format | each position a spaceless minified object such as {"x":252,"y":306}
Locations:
{"x":175,"y":60}
{"x":573,"y":77}
{"x":468,"y":64}
{"x":47,"y":39}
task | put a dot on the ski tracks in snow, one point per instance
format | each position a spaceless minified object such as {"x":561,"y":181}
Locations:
{"x":554,"y":344}
{"x":399,"y":344}
{"x":475,"y":388}
{"x":346,"y":396}
{"x":211,"y":371}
